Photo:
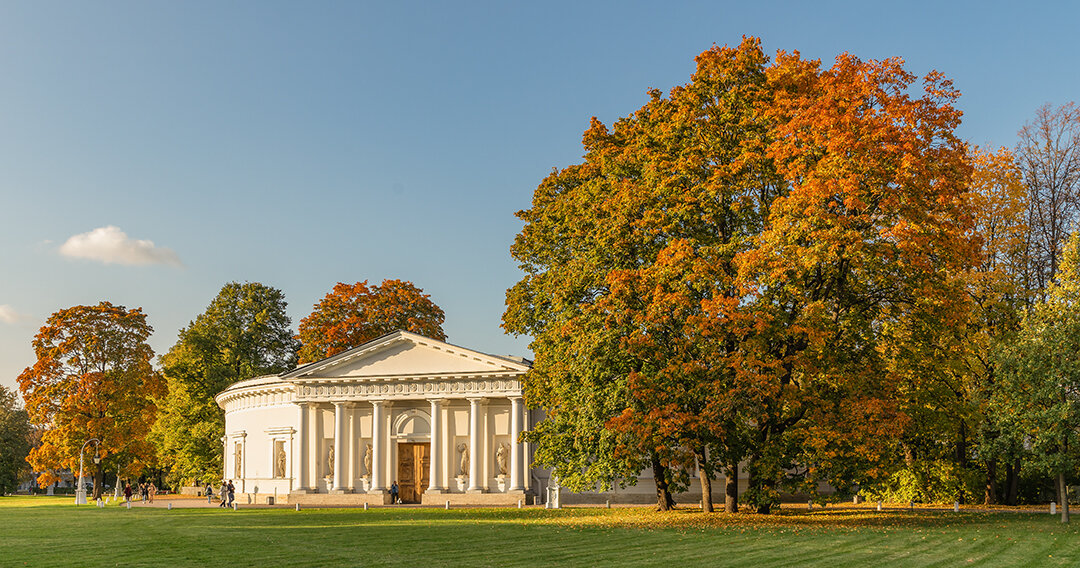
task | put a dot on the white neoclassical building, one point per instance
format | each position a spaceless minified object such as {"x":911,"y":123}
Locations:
{"x":441,"y":421}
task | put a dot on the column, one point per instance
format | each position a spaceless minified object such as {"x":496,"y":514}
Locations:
{"x":353,"y":439}
{"x":434,"y":484}
{"x":315,"y":447}
{"x":341,"y":445}
{"x":515,"y":446}
{"x":475,"y":447}
{"x":301,"y":460}
{"x":377,"y":435}
{"x":291,"y":459}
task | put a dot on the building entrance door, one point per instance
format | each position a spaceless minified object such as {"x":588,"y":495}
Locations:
{"x":414,"y":459}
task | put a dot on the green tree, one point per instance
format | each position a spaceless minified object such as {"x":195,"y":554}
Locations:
{"x":14,"y":440}
{"x":243,"y":333}
{"x":1040,"y":373}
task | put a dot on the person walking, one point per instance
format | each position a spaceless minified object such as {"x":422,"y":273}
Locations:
{"x":232,"y":493}
{"x":223,"y":493}
{"x":127,"y":493}
{"x":393,"y":492}
{"x":151,"y":490}
{"x":209,"y":493}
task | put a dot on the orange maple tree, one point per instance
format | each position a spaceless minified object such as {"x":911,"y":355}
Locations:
{"x":874,"y":220}
{"x":92,"y":380}
{"x":353,"y":314}
{"x":714,"y":282}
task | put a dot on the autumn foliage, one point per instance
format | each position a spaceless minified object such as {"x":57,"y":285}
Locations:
{"x":721,"y":279}
{"x":351,"y":315}
{"x":92,"y":379}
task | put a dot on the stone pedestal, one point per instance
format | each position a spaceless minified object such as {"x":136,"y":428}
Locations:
{"x":461,"y":482}
{"x":501,"y":481}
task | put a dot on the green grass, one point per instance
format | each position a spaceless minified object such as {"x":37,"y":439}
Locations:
{"x":42,"y":531}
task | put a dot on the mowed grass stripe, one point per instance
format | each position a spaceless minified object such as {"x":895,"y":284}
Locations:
{"x":54,"y":533}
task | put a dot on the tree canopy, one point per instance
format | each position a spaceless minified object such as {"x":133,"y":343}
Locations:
{"x":92,"y":379}
{"x":14,"y":440}
{"x":1042,"y":369}
{"x":353,"y":314}
{"x":243,"y":333}
{"x":718,"y":280}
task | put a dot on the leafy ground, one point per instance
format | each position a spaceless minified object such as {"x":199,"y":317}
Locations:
{"x":42,"y":531}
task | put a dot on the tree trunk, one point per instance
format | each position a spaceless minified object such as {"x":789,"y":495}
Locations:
{"x":1012,"y":482}
{"x":664,"y":502}
{"x":731,"y":489}
{"x":961,"y":458}
{"x":99,"y":479}
{"x":991,"y":483}
{"x":706,"y":482}
{"x":1063,"y":494}
{"x":761,"y":486}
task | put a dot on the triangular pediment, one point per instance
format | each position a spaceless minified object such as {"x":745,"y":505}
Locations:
{"x":404,"y":354}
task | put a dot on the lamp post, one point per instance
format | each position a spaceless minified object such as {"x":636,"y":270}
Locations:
{"x":80,"y":491}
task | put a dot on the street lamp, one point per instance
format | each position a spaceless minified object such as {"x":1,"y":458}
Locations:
{"x":80,"y":492}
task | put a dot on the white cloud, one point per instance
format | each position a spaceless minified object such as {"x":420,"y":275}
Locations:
{"x":9,"y":315}
{"x":112,"y":246}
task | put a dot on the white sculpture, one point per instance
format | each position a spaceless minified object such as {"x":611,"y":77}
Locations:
{"x":367,"y":461}
{"x":239,"y":459}
{"x":330,"y":462}
{"x":501,"y":457}
{"x":463,"y":467}
{"x":279,"y":469}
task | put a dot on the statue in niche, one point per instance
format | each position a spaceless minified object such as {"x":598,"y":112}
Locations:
{"x":279,"y":461}
{"x":367,"y":460}
{"x":239,"y":460}
{"x":330,"y":462}
{"x":501,"y":456}
{"x":463,"y":466}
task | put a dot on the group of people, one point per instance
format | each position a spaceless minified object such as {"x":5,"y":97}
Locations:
{"x":146,"y":491}
{"x":227,"y":493}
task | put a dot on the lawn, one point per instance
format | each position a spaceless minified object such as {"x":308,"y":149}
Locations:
{"x":42,"y":531}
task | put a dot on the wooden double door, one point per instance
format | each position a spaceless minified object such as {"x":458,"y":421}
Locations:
{"x":414,"y":461}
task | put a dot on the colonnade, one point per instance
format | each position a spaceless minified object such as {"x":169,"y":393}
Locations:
{"x":346,"y":438}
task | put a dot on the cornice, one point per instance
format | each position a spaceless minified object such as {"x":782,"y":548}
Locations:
{"x":450,"y":386}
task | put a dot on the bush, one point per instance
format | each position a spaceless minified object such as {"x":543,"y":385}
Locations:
{"x":930,"y":482}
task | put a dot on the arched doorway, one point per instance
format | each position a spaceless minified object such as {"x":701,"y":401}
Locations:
{"x":413,"y":432}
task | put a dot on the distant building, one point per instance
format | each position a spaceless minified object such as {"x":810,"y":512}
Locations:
{"x":67,"y":481}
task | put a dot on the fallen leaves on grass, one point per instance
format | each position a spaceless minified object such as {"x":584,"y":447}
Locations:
{"x":785,"y":522}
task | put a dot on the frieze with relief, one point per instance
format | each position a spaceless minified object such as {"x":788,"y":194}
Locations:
{"x":411,"y":388}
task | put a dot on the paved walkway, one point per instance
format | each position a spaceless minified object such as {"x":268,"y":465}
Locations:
{"x":188,"y":502}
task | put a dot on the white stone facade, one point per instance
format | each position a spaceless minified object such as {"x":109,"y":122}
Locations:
{"x":417,"y":403}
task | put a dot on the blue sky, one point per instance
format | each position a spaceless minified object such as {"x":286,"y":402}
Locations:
{"x":299,"y":144}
